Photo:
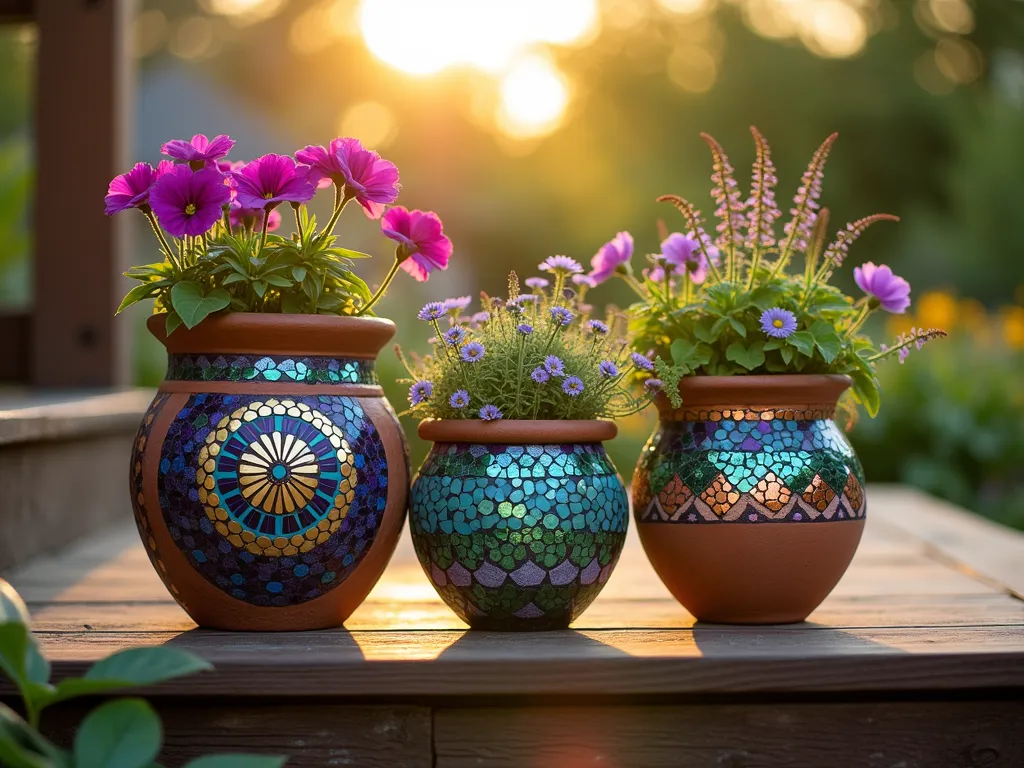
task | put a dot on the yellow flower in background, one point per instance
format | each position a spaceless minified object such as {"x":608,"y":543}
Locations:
{"x":937,"y":309}
{"x":1013,"y":327}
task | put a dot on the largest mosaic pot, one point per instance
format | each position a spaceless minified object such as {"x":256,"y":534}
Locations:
{"x":748,"y":499}
{"x":518,"y":524}
{"x":270,"y":477}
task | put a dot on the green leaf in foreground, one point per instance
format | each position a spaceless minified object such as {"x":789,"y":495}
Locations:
{"x":193,"y":305}
{"x":749,"y":357}
{"x":120,"y":734}
{"x":237,"y":761}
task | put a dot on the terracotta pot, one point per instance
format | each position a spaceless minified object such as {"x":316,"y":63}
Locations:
{"x":518,"y":524}
{"x":749,"y":500}
{"x":270,"y":476}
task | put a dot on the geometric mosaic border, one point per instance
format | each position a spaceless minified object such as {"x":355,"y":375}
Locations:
{"x":284,"y":368}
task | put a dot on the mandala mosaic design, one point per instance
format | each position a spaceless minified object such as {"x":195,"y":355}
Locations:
{"x":749,"y":465}
{"x":518,"y":537}
{"x":309,"y":370}
{"x":139,"y":505}
{"x":274,"y":500}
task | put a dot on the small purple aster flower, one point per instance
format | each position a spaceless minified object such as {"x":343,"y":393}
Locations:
{"x":459,"y":399}
{"x":199,"y":152}
{"x":598,"y":327}
{"x":270,"y":180}
{"x":585,"y":280}
{"x":480,"y":318}
{"x":560,"y":264}
{"x":490,"y":413}
{"x":525,"y":328}
{"x":188,"y":202}
{"x":472,"y":352}
{"x":432,"y":310}
{"x":131,"y":190}
{"x":560,"y":316}
{"x":654,"y":385}
{"x":540,"y":375}
{"x":573,"y":386}
{"x":642,"y":362}
{"x":613,"y":254}
{"x":778,"y":323}
{"x":554,"y":365}
{"x":892,"y":292}
{"x":536,"y":283}
{"x":420,"y":391}
{"x":608,"y":369}
{"x":458,"y":304}
{"x":455,"y":335}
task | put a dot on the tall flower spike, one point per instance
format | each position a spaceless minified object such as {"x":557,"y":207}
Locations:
{"x":762,"y":210}
{"x":805,"y":203}
{"x":695,"y":222}
{"x":726,"y":194}
{"x":836,"y":252}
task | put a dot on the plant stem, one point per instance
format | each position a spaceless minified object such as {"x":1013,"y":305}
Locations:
{"x":380,"y":291}
{"x":339,"y":204}
{"x":263,"y":236}
{"x":864,"y":312}
{"x":298,"y":226}
{"x":160,"y":236}
{"x":755,"y":258}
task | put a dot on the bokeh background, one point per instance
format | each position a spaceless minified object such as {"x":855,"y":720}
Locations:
{"x":537,"y":127}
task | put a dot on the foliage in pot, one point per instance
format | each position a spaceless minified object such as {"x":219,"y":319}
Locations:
{"x":518,"y":515}
{"x":270,"y":476}
{"x":747,"y":477}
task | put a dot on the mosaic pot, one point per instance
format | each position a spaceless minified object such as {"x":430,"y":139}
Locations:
{"x":270,"y":477}
{"x":518,"y":524}
{"x":749,"y":500}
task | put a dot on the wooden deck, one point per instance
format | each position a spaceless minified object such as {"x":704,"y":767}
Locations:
{"x":916,"y":660}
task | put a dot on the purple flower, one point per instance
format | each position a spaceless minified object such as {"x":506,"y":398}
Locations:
{"x":490,"y":413}
{"x":540,"y":375}
{"x":369,"y":179}
{"x":199,"y":152}
{"x":573,"y":386}
{"x":560,"y":316}
{"x":561,"y":264}
{"x":598,"y":327}
{"x":584,"y":280}
{"x":472,"y":352}
{"x":432,"y":310}
{"x":514,"y":306}
{"x":455,"y":335}
{"x":252,"y":218}
{"x":480,"y":318}
{"x":420,"y":391}
{"x":422,"y":245}
{"x":554,"y":365}
{"x":608,"y":369}
{"x":641,"y":362}
{"x":458,"y":304}
{"x":189,"y":202}
{"x":903,"y":354}
{"x":654,"y":385}
{"x":683,"y":252}
{"x":459,"y":399}
{"x":270,"y":180}
{"x":892,"y":292}
{"x":536,"y":283}
{"x":525,"y":328}
{"x":131,"y":190}
{"x":778,"y":323}
{"x":613,"y":254}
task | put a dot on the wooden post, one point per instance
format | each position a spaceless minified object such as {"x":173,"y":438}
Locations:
{"x":82,"y":129}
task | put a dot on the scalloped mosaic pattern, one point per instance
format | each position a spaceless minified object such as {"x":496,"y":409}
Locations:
{"x":139,"y":505}
{"x":518,"y":537}
{"x":272,"y":368}
{"x":237,"y":553}
{"x":751,"y":468}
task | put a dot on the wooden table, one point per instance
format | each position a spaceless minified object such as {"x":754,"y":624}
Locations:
{"x":916,"y":660}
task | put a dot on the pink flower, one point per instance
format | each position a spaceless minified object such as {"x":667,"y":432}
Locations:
{"x":612,"y":255}
{"x":683,"y":253}
{"x":270,"y":180}
{"x":131,"y":190}
{"x":892,"y":292}
{"x":369,"y":179}
{"x":188,"y":202}
{"x":199,"y":152}
{"x":422,"y":245}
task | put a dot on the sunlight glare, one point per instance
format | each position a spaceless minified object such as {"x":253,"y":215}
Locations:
{"x":372,"y":122}
{"x":534,"y":96}
{"x":243,"y":12}
{"x":835,"y":29}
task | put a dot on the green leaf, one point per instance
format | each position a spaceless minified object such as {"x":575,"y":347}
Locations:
{"x":749,"y":357}
{"x":866,"y":391}
{"x":299,"y":273}
{"x":345,"y":253}
{"x":826,"y":340}
{"x":278,"y":281}
{"x":21,"y":746}
{"x":702,"y":331}
{"x":682,"y":352}
{"x":828,"y":304}
{"x":237,"y":761}
{"x":172,"y":322}
{"x":234,"y":277}
{"x":738,"y":327}
{"x":12,"y":607}
{"x":766,"y":296}
{"x":803,"y":341}
{"x":787,"y":354}
{"x":20,"y":657}
{"x":120,"y":734}
{"x":137,"y":294}
{"x":291,"y":304}
{"x":193,"y":305}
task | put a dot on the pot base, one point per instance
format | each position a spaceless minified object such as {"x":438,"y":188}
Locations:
{"x":772,"y":573}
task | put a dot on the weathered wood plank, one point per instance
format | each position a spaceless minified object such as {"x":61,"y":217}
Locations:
{"x":906,"y":734}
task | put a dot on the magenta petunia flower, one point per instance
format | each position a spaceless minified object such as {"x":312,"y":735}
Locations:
{"x":613,"y":254}
{"x":199,"y":152}
{"x":188,"y":202}
{"x":422,"y":245}
{"x":369,"y":179}
{"x":892,"y":292}
{"x":268,"y":181}
{"x":252,"y":217}
{"x":131,"y":190}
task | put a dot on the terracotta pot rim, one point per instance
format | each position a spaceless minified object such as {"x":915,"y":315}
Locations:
{"x":518,"y":431}
{"x":773,"y":390}
{"x":278,"y":334}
